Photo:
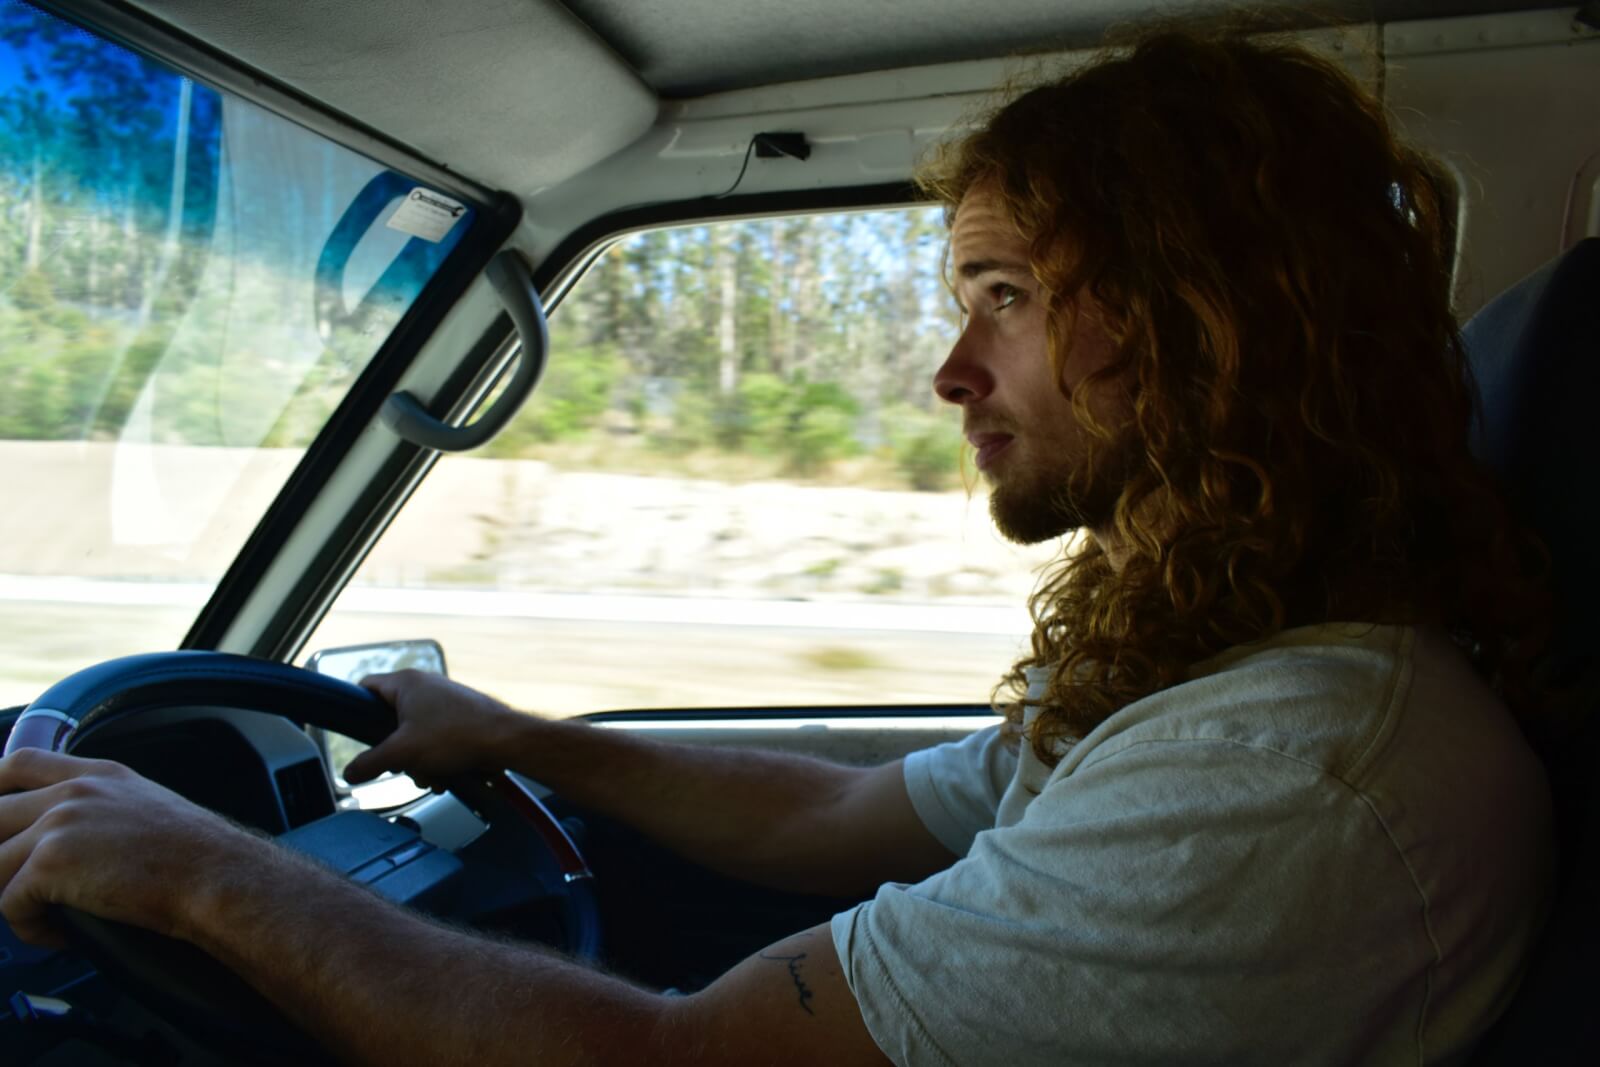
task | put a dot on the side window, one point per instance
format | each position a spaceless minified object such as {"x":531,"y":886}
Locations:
{"x":734,"y":488}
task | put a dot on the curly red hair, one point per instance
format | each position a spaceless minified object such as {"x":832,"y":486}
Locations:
{"x":1272,"y":265}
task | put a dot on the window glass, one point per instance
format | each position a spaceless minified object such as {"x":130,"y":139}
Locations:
{"x":733,"y":488}
{"x":188,"y":286}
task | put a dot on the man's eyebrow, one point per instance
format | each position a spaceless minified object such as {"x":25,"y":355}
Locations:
{"x":974,"y":267}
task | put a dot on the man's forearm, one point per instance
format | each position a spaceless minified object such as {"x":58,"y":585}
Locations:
{"x":764,"y":817}
{"x":778,"y":820}
{"x":385,"y":986}
{"x":373,"y":982}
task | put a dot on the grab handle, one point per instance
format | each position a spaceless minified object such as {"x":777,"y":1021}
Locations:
{"x":406,"y":416}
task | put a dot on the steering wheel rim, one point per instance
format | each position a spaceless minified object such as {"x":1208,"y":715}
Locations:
{"x":176,"y":978}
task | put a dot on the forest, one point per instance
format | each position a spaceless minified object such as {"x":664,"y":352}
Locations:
{"x":143,"y":263}
{"x":807,"y":340}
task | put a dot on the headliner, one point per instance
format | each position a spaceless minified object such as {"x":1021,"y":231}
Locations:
{"x":685,"y":48}
{"x":524,"y":94}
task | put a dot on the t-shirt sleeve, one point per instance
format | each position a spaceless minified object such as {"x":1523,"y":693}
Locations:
{"x":1146,"y":909}
{"x":956,"y":787}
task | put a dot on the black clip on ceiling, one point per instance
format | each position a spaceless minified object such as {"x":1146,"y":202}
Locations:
{"x":777,"y":145}
{"x":404,"y":413}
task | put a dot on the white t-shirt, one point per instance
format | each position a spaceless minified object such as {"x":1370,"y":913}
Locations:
{"x":1333,"y":847}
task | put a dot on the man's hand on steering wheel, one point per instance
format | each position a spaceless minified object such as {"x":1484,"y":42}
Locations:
{"x":93,"y":835}
{"x":371,"y":982}
{"x":444,"y":729}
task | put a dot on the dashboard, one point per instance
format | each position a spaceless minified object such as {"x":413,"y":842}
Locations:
{"x":259,"y":770}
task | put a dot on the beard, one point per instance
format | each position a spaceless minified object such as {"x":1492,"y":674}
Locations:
{"x":1050,"y":501}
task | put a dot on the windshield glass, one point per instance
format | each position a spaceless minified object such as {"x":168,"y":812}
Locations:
{"x":734,"y":487}
{"x":188,"y":287}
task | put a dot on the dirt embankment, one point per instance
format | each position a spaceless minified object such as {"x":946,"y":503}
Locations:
{"x":176,"y":513}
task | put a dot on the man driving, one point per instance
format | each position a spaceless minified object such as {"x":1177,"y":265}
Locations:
{"x":1259,"y":794}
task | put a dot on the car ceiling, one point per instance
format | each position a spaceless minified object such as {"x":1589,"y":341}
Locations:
{"x":692,"y":47}
{"x":523,"y":94}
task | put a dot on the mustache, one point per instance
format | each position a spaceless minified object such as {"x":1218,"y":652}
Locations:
{"x":989,"y":427}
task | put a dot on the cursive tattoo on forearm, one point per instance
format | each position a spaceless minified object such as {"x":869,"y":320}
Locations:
{"x":800,"y":987}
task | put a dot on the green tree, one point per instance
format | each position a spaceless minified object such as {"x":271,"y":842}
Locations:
{"x":573,"y":395}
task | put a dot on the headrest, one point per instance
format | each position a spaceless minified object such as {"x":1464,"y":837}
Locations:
{"x":1535,"y":352}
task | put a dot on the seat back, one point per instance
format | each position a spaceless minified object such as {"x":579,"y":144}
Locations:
{"x":1535,"y":352}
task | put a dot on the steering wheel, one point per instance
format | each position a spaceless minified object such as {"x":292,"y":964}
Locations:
{"x":176,"y":979}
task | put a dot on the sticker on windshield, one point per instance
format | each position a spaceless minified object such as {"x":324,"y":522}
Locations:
{"x":426,"y":214}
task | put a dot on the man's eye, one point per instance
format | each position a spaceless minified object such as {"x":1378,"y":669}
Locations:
{"x":1004,"y":295}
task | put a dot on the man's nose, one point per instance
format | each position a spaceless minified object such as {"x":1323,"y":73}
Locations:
{"x":963,"y":378}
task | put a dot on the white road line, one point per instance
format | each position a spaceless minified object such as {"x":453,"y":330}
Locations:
{"x":597,"y":607}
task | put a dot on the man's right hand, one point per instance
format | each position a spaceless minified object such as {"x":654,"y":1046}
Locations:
{"x":784,"y":821}
{"x":444,"y":729}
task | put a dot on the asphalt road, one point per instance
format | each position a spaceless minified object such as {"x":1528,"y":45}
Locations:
{"x":567,"y":655}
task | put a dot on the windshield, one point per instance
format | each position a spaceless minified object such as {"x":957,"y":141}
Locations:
{"x":188,"y":287}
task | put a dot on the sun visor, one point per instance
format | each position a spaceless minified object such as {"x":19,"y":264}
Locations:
{"x":515,"y":96}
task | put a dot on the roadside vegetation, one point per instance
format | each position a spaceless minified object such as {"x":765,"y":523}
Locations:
{"x":138,"y":287}
{"x":798,"y":348}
